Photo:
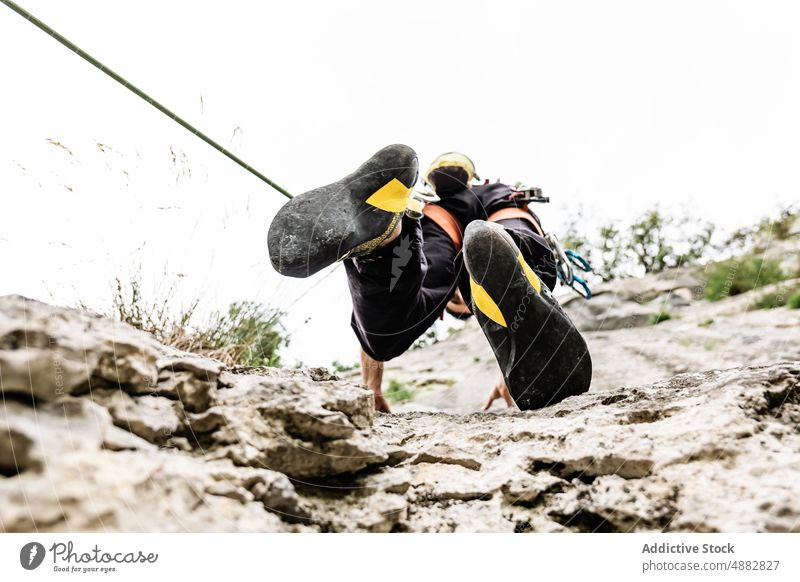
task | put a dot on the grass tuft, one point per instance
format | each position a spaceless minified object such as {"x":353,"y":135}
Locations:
{"x":735,"y":276}
{"x":657,"y":318}
{"x":246,"y":334}
{"x":398,"y":392}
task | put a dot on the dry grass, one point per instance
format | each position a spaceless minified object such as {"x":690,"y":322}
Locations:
{"x":247,"y":334}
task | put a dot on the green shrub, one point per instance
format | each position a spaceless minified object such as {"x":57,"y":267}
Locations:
{"x":770,"y":301}
{"x":246,"y":334}
{"x":576,"y":242}
{"x":779,"y":227}
{"x":655,"y":239}
{"x":735,"y":276}
{"x":768,"y":229}
{"x":612,"y":253}
{"x":794,"y":300}
{"x":653,"y":242}
{"x":706,"y":323}
{"x":648,"y":242}
{"x":657,"y":318}
{"x":398,"y":392}
{"x":777,"y":298}
{"x":337,"y":366}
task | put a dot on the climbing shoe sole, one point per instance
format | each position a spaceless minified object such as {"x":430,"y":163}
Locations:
{"x":345,"y":219}
{"x":541,"y":354}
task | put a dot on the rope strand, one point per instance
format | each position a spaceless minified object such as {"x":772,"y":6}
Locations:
{"x":139,"y":93}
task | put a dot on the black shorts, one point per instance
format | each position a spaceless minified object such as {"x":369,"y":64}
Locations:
{"x":399,"y":291}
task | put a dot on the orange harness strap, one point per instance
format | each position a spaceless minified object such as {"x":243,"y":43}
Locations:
{"x":447,"y":222}
{"x":452,"y":227}
{"x":506,"y":213}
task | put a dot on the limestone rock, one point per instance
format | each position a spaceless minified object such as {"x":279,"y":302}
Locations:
{"x":151,"y":418}
{"x":135,"y":436}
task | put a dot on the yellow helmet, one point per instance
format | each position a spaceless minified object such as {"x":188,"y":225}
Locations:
{"x":452,"y":160}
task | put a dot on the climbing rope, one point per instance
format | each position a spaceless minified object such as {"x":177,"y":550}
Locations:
{"x":139,"y":93}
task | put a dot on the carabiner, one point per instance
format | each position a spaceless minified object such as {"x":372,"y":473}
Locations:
{"x":578,"y":261}
{"x":587,"y":292}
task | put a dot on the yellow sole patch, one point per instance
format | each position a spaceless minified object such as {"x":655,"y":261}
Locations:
{"x":533,"y":279}
{"x":486,"y":304}
{"x":391,"y":197}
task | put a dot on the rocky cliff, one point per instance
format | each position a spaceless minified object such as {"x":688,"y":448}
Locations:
{"x":627,"y":350}
{"x":102,"y":428}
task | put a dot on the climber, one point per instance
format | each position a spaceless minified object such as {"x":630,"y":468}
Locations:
{"x":478,"y":249}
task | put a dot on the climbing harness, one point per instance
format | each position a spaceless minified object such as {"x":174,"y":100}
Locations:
{"x":139,"y":93}
{"x":567,"y":260}
{"x":529,"y":194}
{"x":521,"y":213}
{"x":447,"y":222}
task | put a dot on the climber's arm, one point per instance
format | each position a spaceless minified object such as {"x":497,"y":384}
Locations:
{"x":500,"y":390}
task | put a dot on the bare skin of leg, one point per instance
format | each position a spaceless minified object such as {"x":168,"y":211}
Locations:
{"x":372,"y":375}
{"x":500,"y":390}
{"x":372,"y":370}
{"x":457,"y":305}
{"x":395,"y":233}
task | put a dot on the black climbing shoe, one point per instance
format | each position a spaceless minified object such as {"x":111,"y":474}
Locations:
{"x":348,"y":218}
{"x":542,"y":356}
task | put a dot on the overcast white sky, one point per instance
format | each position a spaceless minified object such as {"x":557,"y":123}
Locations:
{"x":614,"y":105}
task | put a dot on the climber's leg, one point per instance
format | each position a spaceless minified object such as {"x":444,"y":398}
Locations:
{"x":541,"y":354}
{"x":399,"y":291}
{"x":372,"y":376}
{"x":348,"y":218}
{"x":535,"y":250}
